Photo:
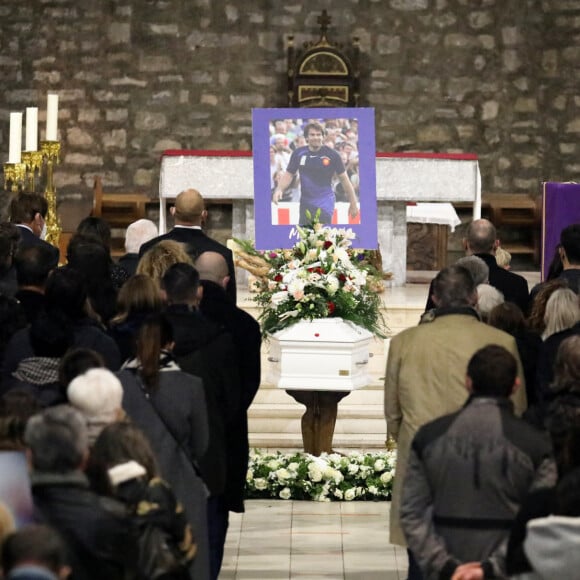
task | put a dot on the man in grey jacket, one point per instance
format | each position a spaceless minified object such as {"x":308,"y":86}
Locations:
{"x":468,"y":473}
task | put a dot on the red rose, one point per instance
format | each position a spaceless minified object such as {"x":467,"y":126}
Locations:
{"x":278,"y":278}
{"x":327,"y":244}
{"x":331,"y":307}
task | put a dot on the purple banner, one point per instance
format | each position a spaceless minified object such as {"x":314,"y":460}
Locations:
{"x":561,"y":208}
{"x":309,"y":160}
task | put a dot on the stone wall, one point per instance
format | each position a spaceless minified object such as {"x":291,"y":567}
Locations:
{"x":136,"y":77}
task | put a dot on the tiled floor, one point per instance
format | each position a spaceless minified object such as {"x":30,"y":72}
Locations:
{"x":277,"y":539}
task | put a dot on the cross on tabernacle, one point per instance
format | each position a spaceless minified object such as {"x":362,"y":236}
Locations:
{"x":324,"y":20}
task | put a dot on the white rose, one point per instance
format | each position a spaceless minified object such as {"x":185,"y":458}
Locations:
{"x":379,"y":465}
{"x":328,"y":472}
{"x":285,"y":493}
{"x":249,"y":475}
{"x":353,"y":469}
{"x":373,"y":489}
{"x":282,"y":474}
{"x":386,"y":477}
{"x":338,"y":493}
{"x":273,"y":464}
{"x":332,"y":285}
{"x":260,"y":483}
{"x":314,"y":472}
{"x":350,"y":494}
{"x":293,"y":466}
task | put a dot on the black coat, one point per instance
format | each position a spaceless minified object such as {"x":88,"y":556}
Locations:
{"x":100,"y":536}
{"x":27,"y":239}
{"x":245,"y":332}
{"x":197,"y":242}
{"x":206,"y":350}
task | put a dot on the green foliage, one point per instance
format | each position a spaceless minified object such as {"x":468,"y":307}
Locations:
{"x":321,"y":276}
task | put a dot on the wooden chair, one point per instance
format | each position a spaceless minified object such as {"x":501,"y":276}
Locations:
{"x":119,"y":209}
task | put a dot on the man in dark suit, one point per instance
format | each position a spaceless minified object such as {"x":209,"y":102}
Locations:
{"x":189,"y":213}
{"x":481,"y":241}
{"x":28,"y":211}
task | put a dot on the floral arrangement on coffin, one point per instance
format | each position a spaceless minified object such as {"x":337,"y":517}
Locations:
{"x":321,"y":276}
{"x":330,"y":477}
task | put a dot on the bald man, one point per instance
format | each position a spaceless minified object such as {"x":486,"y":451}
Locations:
{"x":189,"y":212}
{"x":481,"y":241}
{"x":245,"y":332}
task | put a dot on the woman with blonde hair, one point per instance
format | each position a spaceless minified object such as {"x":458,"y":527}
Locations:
{"x":138,"y":298}
{"x":157,"y":260}
{"x":538,"y":308}
{"x":562,"y":312}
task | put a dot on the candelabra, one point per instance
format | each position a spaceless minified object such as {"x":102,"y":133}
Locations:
{"x":50,"y":152}
{"x":14,"y":174}
{"x":32,"y":160}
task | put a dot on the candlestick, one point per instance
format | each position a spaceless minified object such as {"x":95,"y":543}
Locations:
{"x":31,"y":129}
{"x":14,"y":174}
{"x":15,"y":144}
{"x":51,"y":116}
{"x":32,"y":160}
{"x":50,"y":151}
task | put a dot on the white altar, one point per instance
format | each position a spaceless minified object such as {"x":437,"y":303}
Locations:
{"x":401,"y":177}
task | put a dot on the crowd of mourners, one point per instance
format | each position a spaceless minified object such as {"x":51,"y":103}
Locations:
{"x":126,"y":385}
{"x":483,"y":400}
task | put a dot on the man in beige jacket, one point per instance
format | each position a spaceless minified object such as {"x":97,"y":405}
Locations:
{"x":425,"y":375}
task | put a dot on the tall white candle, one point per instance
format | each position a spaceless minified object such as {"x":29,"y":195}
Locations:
{"x":31,"y":129}
{"x":51,"y":117}
{"x":15,"y":145}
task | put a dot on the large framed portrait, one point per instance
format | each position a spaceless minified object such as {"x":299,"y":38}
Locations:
{"x":314,"y":162}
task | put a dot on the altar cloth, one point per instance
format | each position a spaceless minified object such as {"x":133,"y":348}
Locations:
{"x":433,"y":213}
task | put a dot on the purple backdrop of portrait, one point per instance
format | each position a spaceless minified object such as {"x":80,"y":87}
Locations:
{"x":306,"y":159}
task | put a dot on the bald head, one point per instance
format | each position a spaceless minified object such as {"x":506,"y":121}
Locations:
{"x":189,"y":207}
{"x":213,"y":267}
{"x":481,"y":237}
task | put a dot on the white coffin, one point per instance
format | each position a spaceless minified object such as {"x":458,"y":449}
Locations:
{"x":328,"y":354}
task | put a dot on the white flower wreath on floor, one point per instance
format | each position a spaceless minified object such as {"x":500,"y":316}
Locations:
{"x":330,"y":477}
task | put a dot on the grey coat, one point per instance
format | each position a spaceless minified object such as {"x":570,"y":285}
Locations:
{"x":467,"y":474}
{"x":180,"y":399}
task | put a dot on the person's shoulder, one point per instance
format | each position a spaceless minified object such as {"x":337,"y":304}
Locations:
{"x":507,"y":277}
{"x":166,"y":236}
{"x":515,"y":277}
{"x":300,"y":151}
{"x":558,"y":337}
{"x":326,"y":150}
{"x":433,"y":430}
